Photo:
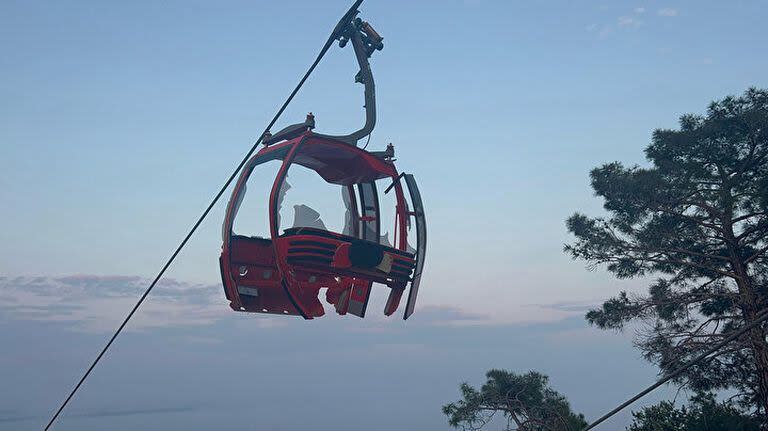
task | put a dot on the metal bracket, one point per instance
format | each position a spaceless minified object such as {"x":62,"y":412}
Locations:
{"x":365,"y":40}
{"x":387,"y":155}
{"x":395,"y":181}
{"x":290,"y":132}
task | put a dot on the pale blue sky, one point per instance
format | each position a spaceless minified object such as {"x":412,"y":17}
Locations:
{"x":119,"y":121}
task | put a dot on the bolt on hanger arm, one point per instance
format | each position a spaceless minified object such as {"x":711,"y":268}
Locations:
{"x":365,"y":40}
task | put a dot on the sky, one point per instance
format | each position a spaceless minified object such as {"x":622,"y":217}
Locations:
{"x":120,"y":121}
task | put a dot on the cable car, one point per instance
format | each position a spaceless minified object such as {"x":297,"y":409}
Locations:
{"x":283,"y":274}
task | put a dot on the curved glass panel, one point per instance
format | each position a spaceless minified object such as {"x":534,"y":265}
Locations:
{"x":251,"y":213}
{"x":421,"y":241}
{"x":369,"y":210}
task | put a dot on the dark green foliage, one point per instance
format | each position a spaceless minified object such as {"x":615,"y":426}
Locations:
{"x":695,"y":219}
{"x":525,"y":401}
{"x":703,"y":413}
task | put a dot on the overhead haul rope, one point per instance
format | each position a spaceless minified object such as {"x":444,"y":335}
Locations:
{"x":762,"y":317}
{"x":336,"y":32}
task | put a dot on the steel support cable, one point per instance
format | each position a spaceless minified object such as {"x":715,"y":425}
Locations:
{"x":762,"y":317}
{"x":347,"y":17}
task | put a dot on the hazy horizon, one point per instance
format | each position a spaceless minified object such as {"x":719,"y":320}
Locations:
{"x":119,"y":122}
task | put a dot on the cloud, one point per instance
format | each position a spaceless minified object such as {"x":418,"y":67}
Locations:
{"x":98,"y":303}
{"x":512,"y":314}
{"x":131,"y":412}
{"x":101,"y":413}
{"x":667,"y":12}
{"x":438,"y":315}
{"x":581,"y":336}
{"x":93,"y":303}
{"x":605,"y":31}
{"x":17,"y":418}
{"x":628,"y":21}
{"x":579,"y":307}
{"x":601,"y":30}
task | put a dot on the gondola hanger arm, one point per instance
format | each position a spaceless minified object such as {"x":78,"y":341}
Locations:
{"x":365,"y":41}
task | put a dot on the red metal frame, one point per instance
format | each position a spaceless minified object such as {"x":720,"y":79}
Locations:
{"x":283,"y":275}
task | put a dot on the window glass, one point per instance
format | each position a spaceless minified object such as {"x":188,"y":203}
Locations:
{"x":369,"y":210}
{"x":252,"y":217}
{"x":388,"y":211}
{"x":309,"y":201}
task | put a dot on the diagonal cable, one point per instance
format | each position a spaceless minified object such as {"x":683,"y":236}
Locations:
{"x":762,"y":317}
{"x":344,"y":20}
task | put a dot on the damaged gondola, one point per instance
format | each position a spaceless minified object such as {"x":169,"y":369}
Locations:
{"x":284,"y":273}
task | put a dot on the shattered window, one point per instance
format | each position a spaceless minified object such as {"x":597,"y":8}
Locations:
{"x":307,"y":200}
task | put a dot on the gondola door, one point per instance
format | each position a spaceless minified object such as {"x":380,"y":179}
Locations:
{"x":416,"y":212}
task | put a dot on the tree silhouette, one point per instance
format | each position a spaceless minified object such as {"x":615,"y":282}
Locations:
{"x":697,"y":219}
{"x":525,"y":401}
{"x":703,"y":413}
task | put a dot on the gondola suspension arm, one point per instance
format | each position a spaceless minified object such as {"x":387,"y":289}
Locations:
{"x":365,"y":41}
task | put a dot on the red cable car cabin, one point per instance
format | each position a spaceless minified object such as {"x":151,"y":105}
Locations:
{"x":284,"y":274}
